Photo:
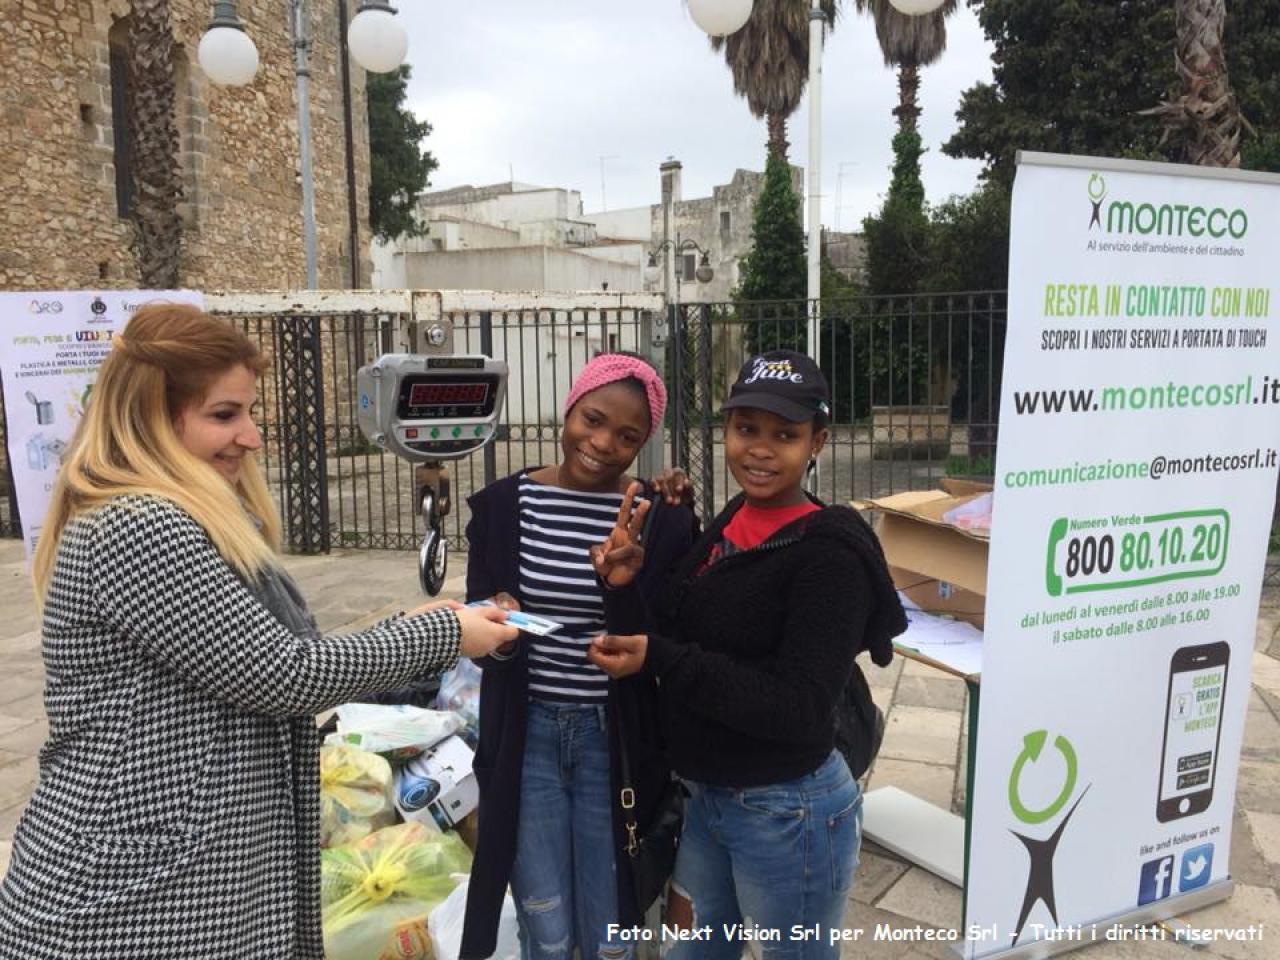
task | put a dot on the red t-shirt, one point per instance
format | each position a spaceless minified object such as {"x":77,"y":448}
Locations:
{"x":752,"y":526}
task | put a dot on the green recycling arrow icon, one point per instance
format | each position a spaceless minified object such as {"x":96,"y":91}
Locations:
{"x":1032,"y":745}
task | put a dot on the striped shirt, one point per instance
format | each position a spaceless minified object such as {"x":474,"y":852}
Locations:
{"x":558,"y":527}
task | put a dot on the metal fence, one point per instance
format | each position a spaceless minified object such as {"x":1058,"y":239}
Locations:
{"x":914,"y":380}
{"x":914,"y":387}
{"x":334,"y":488}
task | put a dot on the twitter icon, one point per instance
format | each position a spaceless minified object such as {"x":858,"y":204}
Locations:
{"x":1197,"y":866}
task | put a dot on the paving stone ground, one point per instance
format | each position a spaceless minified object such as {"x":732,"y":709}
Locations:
{"x":923,"y":753}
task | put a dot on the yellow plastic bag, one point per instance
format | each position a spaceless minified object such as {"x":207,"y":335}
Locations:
{"x":355,"y":795}
{"x":376,"y":894}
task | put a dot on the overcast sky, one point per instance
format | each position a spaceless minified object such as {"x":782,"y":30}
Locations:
{"x":544,"y":89}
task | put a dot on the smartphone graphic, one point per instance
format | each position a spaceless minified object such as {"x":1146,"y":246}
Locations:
{"x":1192,"y":727}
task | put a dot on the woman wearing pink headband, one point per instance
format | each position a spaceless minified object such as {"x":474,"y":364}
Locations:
{"x":548,"y":760}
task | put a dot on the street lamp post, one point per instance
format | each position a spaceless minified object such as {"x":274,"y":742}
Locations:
{"x":813,"y":286}
{"x":704,"y":273}
{"x":651,"y":458}
{"x":228,"y":56}
{"x":721,"y":17}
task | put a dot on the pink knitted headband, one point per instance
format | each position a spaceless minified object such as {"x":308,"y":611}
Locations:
{"x":609,"y":368}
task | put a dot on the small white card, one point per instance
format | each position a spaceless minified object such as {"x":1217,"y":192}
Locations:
{"x":528,"y":622}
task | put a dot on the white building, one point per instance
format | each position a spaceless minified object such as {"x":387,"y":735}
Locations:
{"x":506,"y":237}
{"x":521,"y":237}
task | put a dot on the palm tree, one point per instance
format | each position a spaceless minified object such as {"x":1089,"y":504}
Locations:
{"x":908,"y":43}
{"x":157,"y":184}
{"x":1205,"y":116}
{"x":769,"y":58}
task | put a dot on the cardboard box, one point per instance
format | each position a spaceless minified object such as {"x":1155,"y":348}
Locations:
{"x":438,"y":786}
{"x":941,"y":567}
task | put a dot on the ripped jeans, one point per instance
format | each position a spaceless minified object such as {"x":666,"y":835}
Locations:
{"x":755,"y":862}
{"x":563,"y":880}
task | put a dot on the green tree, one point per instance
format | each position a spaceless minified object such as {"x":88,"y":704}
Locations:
{"x":1253,"y":49}
{"x":769,"y":59}
{"x":969,"y":242}
{"x":969,"y":251}
{"x":1076,"y":77}
{"x":1068,"y":78}
{"x":897,"y":237}
{"x":897,"y":244}
{"x":775,"y":268}
{"x":1262,"y":152}
{"x":399,"y":167}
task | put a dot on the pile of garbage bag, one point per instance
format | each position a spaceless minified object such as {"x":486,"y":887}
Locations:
{"x":392,"y":889}
{"x":377,"y":894}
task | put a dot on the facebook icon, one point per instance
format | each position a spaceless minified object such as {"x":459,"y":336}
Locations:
{"x":1157,"y":880}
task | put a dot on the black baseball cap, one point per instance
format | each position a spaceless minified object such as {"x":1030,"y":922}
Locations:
{"x":784,"y":382}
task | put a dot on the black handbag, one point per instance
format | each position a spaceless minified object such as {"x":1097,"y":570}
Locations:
{"x":651,"y":854}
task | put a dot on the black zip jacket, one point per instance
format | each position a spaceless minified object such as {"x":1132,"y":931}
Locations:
{"x":493,"y":566}
{"x":752,"y":655}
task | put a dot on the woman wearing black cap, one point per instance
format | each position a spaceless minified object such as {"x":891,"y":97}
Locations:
{"x":754,"y":648}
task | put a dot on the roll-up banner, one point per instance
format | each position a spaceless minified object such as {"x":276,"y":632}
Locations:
{"x":1135,"y":481}
{"x":53,"y":343}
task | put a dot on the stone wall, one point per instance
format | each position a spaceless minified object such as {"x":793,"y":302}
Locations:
{"x":239,"y":152}
{"x":721,"y":224}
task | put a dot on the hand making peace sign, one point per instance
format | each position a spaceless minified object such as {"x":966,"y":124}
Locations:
{"x":619,"y":558}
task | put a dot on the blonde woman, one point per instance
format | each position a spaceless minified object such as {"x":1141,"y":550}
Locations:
{"x":176,"y":813}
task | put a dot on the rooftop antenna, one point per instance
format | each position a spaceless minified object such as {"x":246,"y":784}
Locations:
{"x":840,"y":190}
{"x":604,"y":202}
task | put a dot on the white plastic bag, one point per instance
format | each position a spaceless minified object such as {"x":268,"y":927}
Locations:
{"x":355,"y":795}
{"x":460,"y":692}
{"x":445,"y":925}
{"x":972,"y":515}
{"x":399,"y":732}
{"x":376,"y":895}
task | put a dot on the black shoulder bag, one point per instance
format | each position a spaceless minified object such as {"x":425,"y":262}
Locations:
{"x":651,"y":855}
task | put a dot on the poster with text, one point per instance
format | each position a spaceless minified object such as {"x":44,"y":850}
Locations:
{"x":1135,"y":478}
{"x":53,"y":343}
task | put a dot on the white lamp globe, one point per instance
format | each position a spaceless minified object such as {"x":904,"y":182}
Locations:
{"x":719,"y":18}
{"x":377,"y":40}
{"x":227,"y":56}
{"x":915,"y":8}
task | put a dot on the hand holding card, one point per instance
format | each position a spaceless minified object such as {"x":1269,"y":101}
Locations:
{"x":528,"y":622}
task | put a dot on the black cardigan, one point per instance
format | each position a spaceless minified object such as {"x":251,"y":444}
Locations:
{"x":492,"y":566}
{"x":754,"y":653}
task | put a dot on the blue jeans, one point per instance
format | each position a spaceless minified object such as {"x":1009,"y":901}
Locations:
{"x":777,"y":859}
{"x":564,"y":879}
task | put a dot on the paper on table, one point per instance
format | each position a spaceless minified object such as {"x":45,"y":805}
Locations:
{"x":953,"y":644}
{"x":926,"y":628}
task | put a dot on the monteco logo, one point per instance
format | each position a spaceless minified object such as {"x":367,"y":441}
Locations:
{"x":1163,"y":219}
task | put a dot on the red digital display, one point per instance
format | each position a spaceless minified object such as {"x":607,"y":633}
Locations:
{"x":448,"y":394}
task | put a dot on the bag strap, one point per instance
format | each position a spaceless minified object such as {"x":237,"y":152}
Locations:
{"x":627,"y":794}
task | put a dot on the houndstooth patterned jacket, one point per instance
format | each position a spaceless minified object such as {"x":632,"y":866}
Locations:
{"x":177,"y":809}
